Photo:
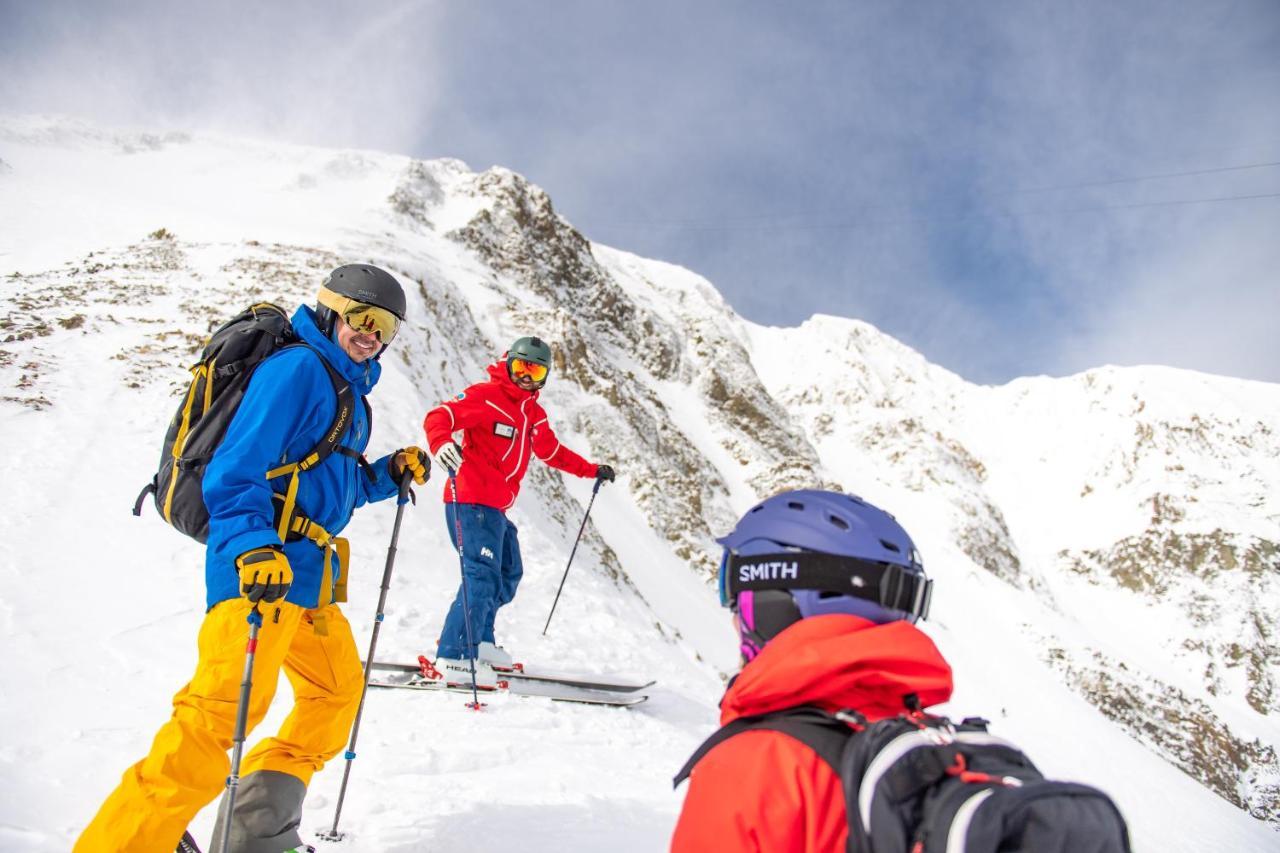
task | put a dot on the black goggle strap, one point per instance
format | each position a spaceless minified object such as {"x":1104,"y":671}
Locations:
{"x":885,"y":584}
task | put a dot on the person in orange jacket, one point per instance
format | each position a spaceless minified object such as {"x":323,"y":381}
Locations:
{"x":825,"y":590}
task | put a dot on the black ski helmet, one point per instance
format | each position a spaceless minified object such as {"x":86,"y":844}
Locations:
{"x":363,"y":283}
{"x":531,"y":349}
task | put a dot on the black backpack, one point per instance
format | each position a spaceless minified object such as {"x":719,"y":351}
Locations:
{"x":918,"y":783}
{"x":218,"y":383}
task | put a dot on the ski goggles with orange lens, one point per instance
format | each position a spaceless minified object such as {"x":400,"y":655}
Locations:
{"x":364,"y":318}
{"x":521,"y":367}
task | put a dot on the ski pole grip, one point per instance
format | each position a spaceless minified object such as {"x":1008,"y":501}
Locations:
{"x":405,"y":479}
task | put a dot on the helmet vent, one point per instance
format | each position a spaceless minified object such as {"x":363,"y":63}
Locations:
{"x":537,"y":342}
{"x":838,"y":522}
{"x":890,"y":546}
{"x":795,"y":505}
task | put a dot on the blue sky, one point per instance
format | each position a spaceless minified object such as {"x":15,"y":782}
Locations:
{"x":1011,"y":188}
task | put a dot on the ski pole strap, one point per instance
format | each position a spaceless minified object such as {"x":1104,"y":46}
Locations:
{"x":405,"y":493}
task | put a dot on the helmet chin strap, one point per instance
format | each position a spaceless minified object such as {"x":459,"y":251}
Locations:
{"x":751,"y":642}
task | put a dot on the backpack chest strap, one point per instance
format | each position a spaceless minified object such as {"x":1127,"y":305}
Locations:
{"x":333,"y":584}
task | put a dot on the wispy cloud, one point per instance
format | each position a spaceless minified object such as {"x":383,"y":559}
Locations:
{"x":965,"y":176}
{"x":339,"y":74}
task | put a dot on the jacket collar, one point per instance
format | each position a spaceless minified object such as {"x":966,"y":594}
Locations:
{"x":840,"y":661}
{"x":499,"y":376}
{"x":362,"y":376}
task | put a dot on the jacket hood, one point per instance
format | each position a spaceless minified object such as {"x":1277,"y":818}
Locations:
{"x":498,"y":374}
{"x":839,"y":661}
{"x":362,"y":376}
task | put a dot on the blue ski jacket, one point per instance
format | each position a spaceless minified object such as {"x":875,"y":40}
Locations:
{"x":288,"y":404}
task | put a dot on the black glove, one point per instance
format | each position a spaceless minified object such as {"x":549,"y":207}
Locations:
{"x":413,"y":458}
{"x":605,"y":472}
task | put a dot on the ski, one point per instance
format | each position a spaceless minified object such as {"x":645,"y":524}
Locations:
{"x":525,"y":676}
{"x":587,"y":682}
{"x":557,"y":692}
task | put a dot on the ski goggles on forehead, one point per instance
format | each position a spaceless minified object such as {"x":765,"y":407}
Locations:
{"x":364,"y":318}
{"x":521,"y":367}
{"x":886,"y":584}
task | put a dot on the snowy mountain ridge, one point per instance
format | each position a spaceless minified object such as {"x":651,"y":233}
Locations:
{"x":1105,"y":544}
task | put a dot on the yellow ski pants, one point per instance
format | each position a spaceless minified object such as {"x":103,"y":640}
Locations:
{"x":188,"y":763}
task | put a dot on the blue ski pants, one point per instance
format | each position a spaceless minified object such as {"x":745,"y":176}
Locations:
{"x":492,"y":565}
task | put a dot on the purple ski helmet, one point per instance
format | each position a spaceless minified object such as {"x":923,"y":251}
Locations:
{"x":810,"y":553}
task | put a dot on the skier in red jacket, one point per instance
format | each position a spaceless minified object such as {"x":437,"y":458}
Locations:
{"x":825,"y":589}
{"x":503,"y":427}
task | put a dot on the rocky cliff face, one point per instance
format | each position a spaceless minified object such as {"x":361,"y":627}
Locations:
{"x":618,"y":346}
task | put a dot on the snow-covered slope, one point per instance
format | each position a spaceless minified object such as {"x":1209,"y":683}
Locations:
{"x":1103,"y":544}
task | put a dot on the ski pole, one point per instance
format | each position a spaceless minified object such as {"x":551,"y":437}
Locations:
{"x":401,"y":500}
{"x":581,"y":528}
{"x":466,"y":604}
{"x":242,"y":717}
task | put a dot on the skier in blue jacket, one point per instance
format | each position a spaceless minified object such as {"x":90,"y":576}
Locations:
{"x":296,"y":582}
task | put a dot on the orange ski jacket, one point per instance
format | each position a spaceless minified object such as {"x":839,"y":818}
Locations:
{"x":763,"y":790}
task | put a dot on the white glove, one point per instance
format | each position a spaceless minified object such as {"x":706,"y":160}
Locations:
{"x":449,"y":457}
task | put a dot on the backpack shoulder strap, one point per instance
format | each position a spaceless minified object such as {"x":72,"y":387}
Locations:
{"x":359,"y":457}
{"x":815,"y":728}
{"x":324,"y":448}
{"x":342,"y":415}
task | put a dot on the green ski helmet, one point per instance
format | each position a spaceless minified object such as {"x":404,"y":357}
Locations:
{"x":532,"y":353}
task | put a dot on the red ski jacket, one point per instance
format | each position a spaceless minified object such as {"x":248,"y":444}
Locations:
{"x":503,"y":427}
{"x":765,"y":791}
